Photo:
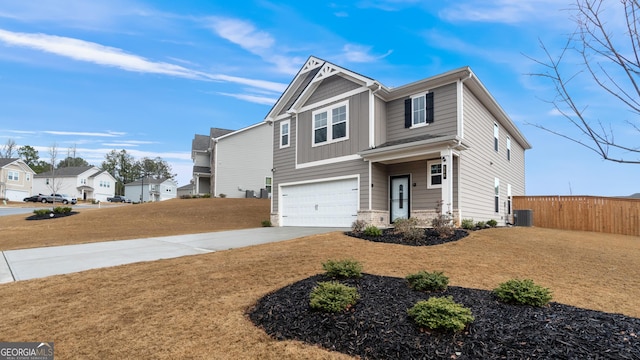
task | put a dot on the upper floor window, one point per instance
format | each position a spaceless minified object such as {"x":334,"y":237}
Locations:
{"x":508,"y":148}
{"x":284,"y":133}
{"x":13,"y":175}
{"x":434,"y":174}
{"x":496,"y":131}
{"x":418,"y":110}
{"x":330,"y":124}
{"x":28,"y":177}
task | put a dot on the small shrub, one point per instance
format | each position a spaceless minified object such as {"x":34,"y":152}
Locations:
{"x":207,"y":196}
{"x":428,"y":281}
{"x":358,"y":226}
{"x":186,"y":196}
{"x":61,"y":210}
{"x":372,"y":231}
{"x":331,"y":296}
{"x":492,"y":223}
{"x":343,"y":268}
{"x":409,"y":229}
{"x":443,"y":222}
{"x":467,"y":224}
{"x":42,"y":212}
{"x":481,"y":224}
{"x":441,"y":313}
{"x":266,"y":223}
{"x":523,"y":292}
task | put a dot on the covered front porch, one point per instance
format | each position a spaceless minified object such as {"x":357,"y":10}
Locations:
{"x":411,"y":178}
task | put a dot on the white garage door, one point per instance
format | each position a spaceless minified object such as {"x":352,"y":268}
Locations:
{"x":15,"y":195}
{"x":325,"y":204}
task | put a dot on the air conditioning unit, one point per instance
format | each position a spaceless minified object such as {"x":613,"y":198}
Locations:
{"x":523,"y":217}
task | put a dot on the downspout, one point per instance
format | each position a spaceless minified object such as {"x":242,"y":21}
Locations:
{"x":215,"y":166}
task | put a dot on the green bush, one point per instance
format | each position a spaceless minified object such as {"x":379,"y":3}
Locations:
{"x":358,"y":226}
{"x":266,"y":223}
{"x":481,"y":224}
{"x":343,"y":268}
{"x":62,"y":210}
{"x":492,"y":223}
{"x":42,"y":212}
{"x":428,"y":281}
{"x":331,"y":296}
{"x":207,"y":196}
{"x":523,"y":292}
{"x":372,"y":231}
{"x":222,"y":195}
{"x":441,"y":313}
{"x":467,"y":224}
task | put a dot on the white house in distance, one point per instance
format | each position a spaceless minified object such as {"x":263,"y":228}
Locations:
{"x":152,"y":190}
{"x":237,"y":163}
{"x":16,"y":179}
{"x":81,"y":182}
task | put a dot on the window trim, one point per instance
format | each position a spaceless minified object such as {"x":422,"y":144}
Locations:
{"x":413,"y":120}
{"x":508,"y":148}
{"x":328,"y":110}
{"x":13,"y":175}
{"x":288,"y":134}
{"x":496,"y":204}
{"x":496,"y":136}
{"x":429,"y":176}
{"x":268,"y":184}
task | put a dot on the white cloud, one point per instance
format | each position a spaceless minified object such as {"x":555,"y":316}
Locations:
{"x":76,"y":133}
{"x":361,"y":54}
{"x":503,"y":11}
{"x":252,"y":98}
{"x":113,"y":57}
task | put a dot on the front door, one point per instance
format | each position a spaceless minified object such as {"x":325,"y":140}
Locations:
{"x":399,"y":197}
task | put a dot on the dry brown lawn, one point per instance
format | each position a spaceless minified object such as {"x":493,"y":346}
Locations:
{"x":194,"y":307}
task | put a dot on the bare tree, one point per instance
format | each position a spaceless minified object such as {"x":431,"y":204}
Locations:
{"x":53,"y":184}
{"x":609,"y":57}
{"x":8,"y":148}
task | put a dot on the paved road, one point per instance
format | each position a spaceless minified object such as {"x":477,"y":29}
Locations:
{"x":42,"y":262}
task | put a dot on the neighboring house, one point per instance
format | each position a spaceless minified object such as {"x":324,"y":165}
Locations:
{"x":185,"y":190}
{"x":152,"y":190}
{"x":16,"y":179}
{"x":81,"y":182}
{"x":347,"y":147}
{"x":236,"y":164}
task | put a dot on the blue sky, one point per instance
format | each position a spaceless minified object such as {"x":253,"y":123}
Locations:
{"x":146,"y":76}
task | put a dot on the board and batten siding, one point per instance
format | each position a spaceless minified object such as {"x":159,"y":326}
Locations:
{"x":244,"y":161}
{"x":380,"y":189}
{"x":444,"y":114}
{"x":481,"y":164}
{"x":358,"y":132}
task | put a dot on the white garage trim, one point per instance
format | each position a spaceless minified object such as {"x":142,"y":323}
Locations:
{"x":328,"y":202}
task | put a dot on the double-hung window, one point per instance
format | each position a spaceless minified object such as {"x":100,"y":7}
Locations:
{"x":434,"y":174}
{"x":418,"y":110}
{"x":496,"y":204}
{"x":508,"y":148}
{"x":496,"y":131}
{"x":284,"y":133}
{"x":331,"y":124}
{"x":13,"y":175}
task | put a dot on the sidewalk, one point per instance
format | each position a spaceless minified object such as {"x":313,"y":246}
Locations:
{"x":42,"y":262}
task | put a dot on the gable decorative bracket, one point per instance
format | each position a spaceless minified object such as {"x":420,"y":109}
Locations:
{"x":311,"y":64}
{"x":326,"y":71}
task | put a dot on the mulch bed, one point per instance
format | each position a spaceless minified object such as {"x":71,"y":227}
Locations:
{"x":431,"y":237}
{"x":378,"y":327}
{"x":50,"y":216}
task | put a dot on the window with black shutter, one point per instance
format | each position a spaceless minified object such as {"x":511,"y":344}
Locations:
{"x":418,"y":110}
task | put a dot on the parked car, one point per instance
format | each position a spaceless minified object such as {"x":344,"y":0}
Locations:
{"x":119,"y":198}
{"x":34,"y":198}
{"x":60,"y":198}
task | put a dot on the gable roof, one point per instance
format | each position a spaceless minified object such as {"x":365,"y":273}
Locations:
{"x":6,"y":161}
{"x":315,"y":70}
{"x":67,"y":171}
{"x":217,"y":132}
{"x":200,"y":143}
{"x":17,"y":161}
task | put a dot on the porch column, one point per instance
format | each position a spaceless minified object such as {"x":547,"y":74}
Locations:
{"x":447,"y":180}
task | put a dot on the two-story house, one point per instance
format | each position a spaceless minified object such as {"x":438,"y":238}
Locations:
{"x":149,"y":189}
{"x":16,"y":179}
{"x":234,"y":164}
{"x":81,"y":182}
{"x":347,"y":147}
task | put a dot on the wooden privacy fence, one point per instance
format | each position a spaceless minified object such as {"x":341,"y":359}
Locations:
{"x":585,"y":213}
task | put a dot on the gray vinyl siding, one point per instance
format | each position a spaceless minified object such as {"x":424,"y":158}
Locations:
{"x":380,"y":130}
{"x":444,"y":111}
{"x":380,"y":182}
{"x":241,"y":167}
{"x":300,"y":84}
{"x":481,"y":164}
{"x":330,"y":87}
{"x":358,"y":137}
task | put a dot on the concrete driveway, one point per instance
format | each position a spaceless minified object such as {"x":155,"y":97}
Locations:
{"x":42,"y":262}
